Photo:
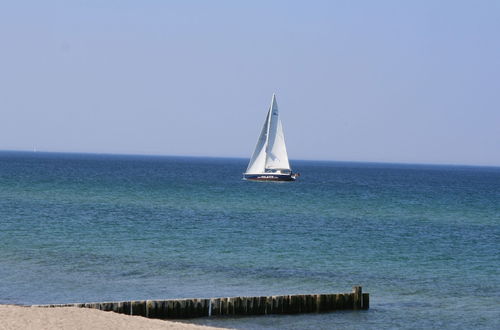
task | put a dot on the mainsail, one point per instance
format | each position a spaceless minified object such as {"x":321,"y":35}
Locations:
{"x":270,"y":152}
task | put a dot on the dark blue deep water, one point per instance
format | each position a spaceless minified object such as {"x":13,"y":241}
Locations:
{"x":424,"y":241}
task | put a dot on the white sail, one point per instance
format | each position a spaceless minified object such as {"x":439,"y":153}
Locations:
{"x":277,"y":157}
{"x":270,"y":152}
{"x":258,"y":161}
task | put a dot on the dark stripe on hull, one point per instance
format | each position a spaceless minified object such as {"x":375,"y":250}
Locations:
{"x":269,"y":177}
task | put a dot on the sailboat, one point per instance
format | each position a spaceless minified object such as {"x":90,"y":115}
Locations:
{"x":269,"y":161}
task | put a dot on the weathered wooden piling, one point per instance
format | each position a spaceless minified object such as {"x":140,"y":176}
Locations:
{"x":357,"y":297}
{"x":191,"y":308}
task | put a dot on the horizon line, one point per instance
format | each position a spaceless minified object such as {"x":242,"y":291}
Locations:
{"x":239,"y":157}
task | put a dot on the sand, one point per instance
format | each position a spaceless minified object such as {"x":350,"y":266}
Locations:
{"x":39,"y":318}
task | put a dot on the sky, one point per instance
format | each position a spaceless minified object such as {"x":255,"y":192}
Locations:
{"x":379,"y":81}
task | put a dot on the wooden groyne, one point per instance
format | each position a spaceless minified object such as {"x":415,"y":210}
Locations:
{"x":191,"y":308}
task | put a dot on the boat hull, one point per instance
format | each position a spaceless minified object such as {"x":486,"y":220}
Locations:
{"x":269,"y":177}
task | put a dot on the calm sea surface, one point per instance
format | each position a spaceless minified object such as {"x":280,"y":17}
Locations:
{"x":424,"y":241}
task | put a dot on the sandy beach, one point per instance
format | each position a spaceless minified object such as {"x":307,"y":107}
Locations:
{"x":39,"y":318}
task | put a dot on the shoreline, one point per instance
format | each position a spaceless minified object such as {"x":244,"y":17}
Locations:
{"x":40,"y":318}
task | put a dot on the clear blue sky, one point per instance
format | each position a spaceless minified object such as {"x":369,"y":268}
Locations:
{"x":389,"y":81}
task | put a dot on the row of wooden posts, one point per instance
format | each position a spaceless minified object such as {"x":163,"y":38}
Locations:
{"x":191,"y":308}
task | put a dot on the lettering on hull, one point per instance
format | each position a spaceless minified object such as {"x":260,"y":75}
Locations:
{"x":269,"y":177}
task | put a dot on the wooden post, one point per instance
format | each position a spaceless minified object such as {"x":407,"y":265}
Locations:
{"x":269,"y":305}
{"x":138,"y":307}
{"x":358,"y":297}
{"x":366,"y":301}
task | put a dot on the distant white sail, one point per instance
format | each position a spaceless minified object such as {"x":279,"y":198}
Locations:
{"x":277,"y":157}
{"x":257,"y":163}
{"x":270,"y":152}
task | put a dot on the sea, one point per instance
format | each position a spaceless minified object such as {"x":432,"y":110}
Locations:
{"x":423,"y":240}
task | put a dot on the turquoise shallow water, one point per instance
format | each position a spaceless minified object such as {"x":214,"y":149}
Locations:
{"x":423,"y":240}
